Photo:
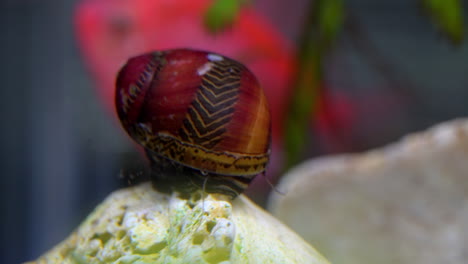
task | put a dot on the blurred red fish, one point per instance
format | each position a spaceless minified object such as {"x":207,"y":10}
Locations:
{"x":111,"y":31}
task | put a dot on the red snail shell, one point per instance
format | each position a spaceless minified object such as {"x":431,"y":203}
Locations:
{"x":202,"y":118}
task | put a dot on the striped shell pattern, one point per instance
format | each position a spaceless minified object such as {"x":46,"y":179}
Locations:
{"x":202,"y":118}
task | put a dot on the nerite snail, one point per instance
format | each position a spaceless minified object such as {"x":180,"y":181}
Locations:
{"x":202,"y":118}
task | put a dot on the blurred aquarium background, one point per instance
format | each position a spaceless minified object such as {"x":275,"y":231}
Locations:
{"x":350,"y":75}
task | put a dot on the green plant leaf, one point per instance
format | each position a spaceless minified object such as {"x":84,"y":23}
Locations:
{"x":221,"y":14}
{"x":330,"y":19}
{"x":448,"y":16}
{"x":323,"y":25}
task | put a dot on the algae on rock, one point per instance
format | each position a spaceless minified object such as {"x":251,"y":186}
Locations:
{"x":140,"y":225}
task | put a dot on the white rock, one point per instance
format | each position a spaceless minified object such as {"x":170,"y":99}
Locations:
{"x":405,"y":203}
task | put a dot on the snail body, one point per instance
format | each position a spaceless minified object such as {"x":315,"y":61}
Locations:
{"x":202,"y":118}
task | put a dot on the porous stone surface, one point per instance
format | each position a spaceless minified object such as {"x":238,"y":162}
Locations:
{"x":140,"y":225}
{"x":404,"y":203}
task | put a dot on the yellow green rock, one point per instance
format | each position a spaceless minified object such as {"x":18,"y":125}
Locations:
{"x":139,"y":225}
